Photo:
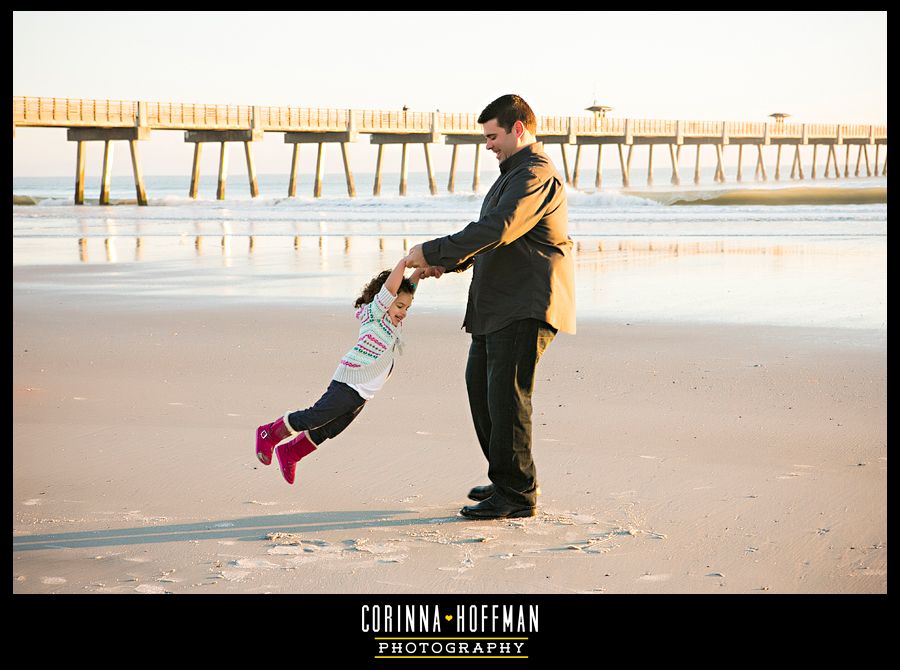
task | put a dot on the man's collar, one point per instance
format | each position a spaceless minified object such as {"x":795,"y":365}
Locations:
{"x":521,"y":156}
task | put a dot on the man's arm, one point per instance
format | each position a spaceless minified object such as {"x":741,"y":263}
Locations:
{"x":523,"y":203}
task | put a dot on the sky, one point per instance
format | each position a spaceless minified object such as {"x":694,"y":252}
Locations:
{"x":821,"y":67}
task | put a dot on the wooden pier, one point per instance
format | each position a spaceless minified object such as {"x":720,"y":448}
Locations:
{"x":133,"y":121}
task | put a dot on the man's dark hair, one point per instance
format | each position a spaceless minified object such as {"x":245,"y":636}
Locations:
{"x":508,"y":109}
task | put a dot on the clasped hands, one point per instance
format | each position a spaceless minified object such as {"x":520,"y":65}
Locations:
{"x":416,"y":259}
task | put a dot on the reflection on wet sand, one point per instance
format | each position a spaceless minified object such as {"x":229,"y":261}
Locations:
{"x":110,"y":245}
{"x":809,"y":280}
{"x":589,"y":253}
{"x":603,"y":255}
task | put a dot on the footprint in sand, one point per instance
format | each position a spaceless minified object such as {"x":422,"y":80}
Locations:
{"x":150,"y":588}
{"x":302,"y":560}
{"x":286,"y":549}
{"x":32,"y":501}
{"x":254,"y":563}
{"x":398,"y":558}
{"x":520,"y":566}
{"x":233,"y":575}
{"x":654,"y":578}
{"x":53,"y":581}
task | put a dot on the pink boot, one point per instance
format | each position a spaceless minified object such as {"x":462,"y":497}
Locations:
{"x":269,"y":435}
{"x":290,"y":452}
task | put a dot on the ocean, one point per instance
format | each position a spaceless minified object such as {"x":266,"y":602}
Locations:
{"x":810,"y":253}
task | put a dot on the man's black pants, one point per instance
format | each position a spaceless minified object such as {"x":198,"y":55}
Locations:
{"x":500,"y":381}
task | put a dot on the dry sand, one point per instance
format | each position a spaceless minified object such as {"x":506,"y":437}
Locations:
{"x":673,"y":458}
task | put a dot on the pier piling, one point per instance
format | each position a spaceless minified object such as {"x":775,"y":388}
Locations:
{"x":623,"y":167}
{"x":476,"y":175}
{"x":376,"y":190}
{"x":251,"y":170}
{"x":451,"y":183}
{"x":320,"y":170}
{"x":295,"y":168}
{"x":79,"y":174}
{"x":761,"y":164}
{"x":195,"y":170}
{"x":575,"y":170}
{"x":672,"y":154}
{"x":598,"y":180}
{"x":136,"y":170}
{"x":348,"y":173}
{"x":107,"y":172}
{"x":432,"y":185}
{"x":697,"y":166}
{"x":403,"y":170}
{"x":223,"y":170}
{"x":720,"y":165}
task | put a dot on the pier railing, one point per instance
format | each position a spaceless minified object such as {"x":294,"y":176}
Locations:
{"x":75,"y":112}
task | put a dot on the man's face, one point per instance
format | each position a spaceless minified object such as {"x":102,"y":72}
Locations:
{"x":503,"y":144}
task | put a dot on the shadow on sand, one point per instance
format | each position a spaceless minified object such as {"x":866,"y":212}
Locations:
{"x":249,"y":529}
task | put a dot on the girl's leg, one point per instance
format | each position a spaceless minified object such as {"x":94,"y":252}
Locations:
{"x":339,"y":405}
{"x":338,"y":401}
{"x":309,"y":437}
{"x":333,"y":428}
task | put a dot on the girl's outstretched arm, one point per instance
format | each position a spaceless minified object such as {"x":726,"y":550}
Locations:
{"x":416,"y":276}
{"x":393,"y":281}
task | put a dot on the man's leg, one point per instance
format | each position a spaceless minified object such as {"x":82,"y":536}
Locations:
{"x":476,"y":386}
{"x":512,"y":356}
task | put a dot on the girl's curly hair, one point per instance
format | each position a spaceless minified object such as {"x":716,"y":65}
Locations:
{"x":371,"y":289}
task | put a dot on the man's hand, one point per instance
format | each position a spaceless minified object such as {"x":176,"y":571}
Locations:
{"x":415,"y":258}
{"x":433,"y":271}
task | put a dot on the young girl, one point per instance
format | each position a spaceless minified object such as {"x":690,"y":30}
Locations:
{"x":362,"y":371}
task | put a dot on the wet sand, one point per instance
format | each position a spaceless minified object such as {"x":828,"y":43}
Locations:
{"x":673,"y":457}
{"x":800,"y":195}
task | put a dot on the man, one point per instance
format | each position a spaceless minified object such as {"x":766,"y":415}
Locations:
{"x":522,"y":294}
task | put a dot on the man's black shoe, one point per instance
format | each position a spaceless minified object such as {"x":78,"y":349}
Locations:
{"x":480,"y":493}
{"x":496,"y":507}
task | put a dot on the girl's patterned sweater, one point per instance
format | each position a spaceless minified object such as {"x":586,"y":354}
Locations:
{"x":374,"y":350}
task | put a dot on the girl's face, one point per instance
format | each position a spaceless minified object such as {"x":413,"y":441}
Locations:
{"x":397,"y":310}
